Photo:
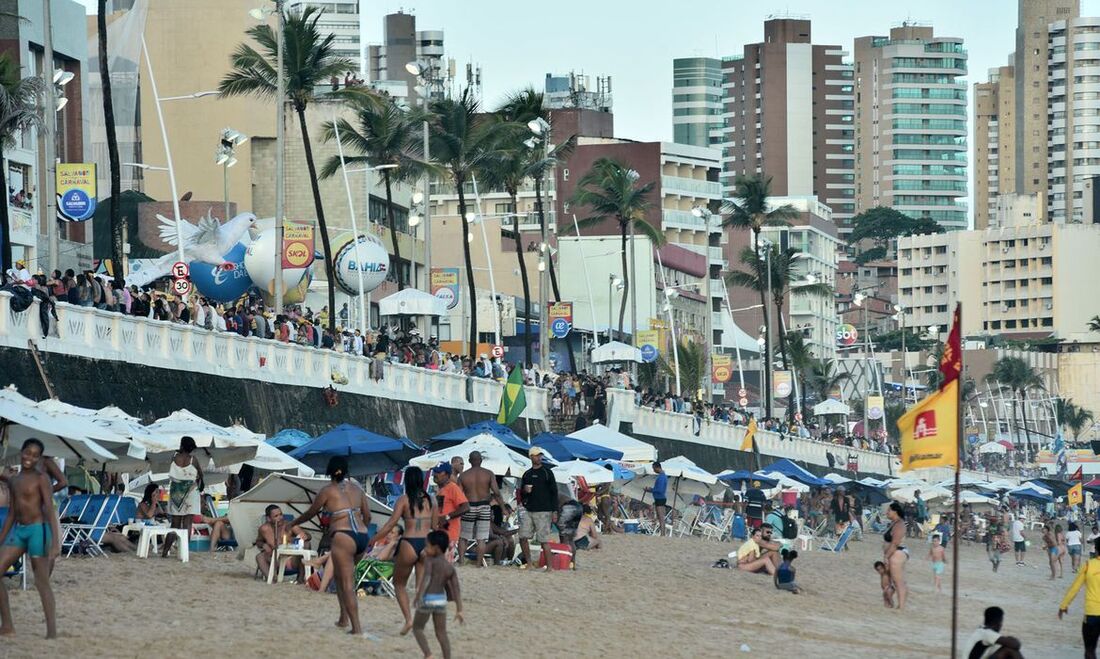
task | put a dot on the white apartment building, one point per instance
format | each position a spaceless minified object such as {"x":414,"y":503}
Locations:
{"x":1073,"y":115}
{"x":341,"y":20}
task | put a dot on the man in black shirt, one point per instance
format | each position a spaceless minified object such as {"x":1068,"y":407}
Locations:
{"x":754,"y":505}
{"x":538,"y":494}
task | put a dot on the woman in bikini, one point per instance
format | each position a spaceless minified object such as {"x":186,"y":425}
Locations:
{"x":895,"y":554}
{"x":350,"y":514}
{"x":419,"y":514}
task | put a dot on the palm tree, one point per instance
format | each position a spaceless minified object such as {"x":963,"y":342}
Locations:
{"x":1094,"y":324}
{"x":309,"y":62}
{"x":611,"y":191}
{"x":802,"y":360}
{"x":693,"y":366}
{"x":753,"y":211}
{"x":112,"y":146}
{"x":826,"y":377}
{"x":386,"y":134}
{"x":1072,"y":416}
{"x":20,"y":109}
{"x":462,"y":140}
{"x":1015,"y":374}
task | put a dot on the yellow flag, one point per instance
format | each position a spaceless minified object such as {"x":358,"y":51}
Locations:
{"x":1076,"y":494}
{"x":930,"y":431}
{"x":746,"y":443}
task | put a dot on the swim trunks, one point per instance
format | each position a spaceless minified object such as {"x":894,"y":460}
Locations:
{"x":34,"y":539}
{"x":476,"y":520}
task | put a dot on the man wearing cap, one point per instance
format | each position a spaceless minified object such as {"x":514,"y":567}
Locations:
{"x":20,"y":275}
{"x":452,"y":503}
{"x":538,"y":494}
{"x":754,"y":505}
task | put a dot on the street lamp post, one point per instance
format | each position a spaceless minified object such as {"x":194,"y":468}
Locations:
{"x":225,"y":155}
{"x":425,"y":74}
{"x":167,"y":150}
{"x":615,"y":283}
{"x":705,"y":214}
{"x":541,"y":130}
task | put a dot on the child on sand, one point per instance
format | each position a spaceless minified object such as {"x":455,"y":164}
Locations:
{"x":440,"y":580}
{"x":887,"y":585}
{"x":937,"y":553}
{"x":30,"y":528}
{"x":785,"y":573}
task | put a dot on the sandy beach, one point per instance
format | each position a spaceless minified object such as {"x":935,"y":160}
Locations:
{"x":638,"y":596}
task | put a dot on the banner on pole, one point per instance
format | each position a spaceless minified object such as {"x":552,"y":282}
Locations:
{"x":560,"y":317}
{"x":721,"y":367}
{"x":297,"y":244}
{"x":648,"y":344}
{"x":781,"y":384}
{"x":444,"y":285}
{"x":76,"y":190}
{"x":875,"y":408}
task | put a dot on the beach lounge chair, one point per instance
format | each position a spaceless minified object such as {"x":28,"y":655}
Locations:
{"x":711,"y":530}
{"x":807,"y":534}
{"x":837,"y":546}
{"x":375,"y":576}
{"x":85,"y":535}
{"x":688,"y":522}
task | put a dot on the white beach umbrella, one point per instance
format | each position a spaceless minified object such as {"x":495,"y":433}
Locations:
{"x":129,"y":450}
{"x":220,"y":444}
{"x":495,"y":456}
{"x":633,"y":450}
{"x":63,"y":437}
{"x":927,"y":493}
{"x":594,"y":474}
{"x":837,"y":478}
{"x":992,"y":447}
{"x":268,"y":458}
{"x":616,"y":351}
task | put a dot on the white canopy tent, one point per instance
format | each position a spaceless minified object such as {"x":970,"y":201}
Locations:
{"x":293,"y":494}
{"x":593,"y":474}
{"x":63,"y":437}
{"x":495,"y":456}
{"x":221,"y":445}
{"x":616,"y":351}
{"x":784,"y":483}
{"x":992,"y":448}
{"x":687,"y":480}
{"x":128,"y":447}
{"x":927,"y":493}
{"x":633,"y":450}
{"x":837,"y":478}
{"x":412,"y":302}
{"x":831,"y":406}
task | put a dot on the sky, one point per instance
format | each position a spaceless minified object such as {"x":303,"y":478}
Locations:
{"x":634,"y":41}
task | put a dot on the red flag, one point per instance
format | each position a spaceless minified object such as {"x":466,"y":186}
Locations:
{"x":1077,"y":475}
{"x":951,"y":361}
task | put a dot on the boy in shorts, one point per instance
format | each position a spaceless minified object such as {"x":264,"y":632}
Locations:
{"x":30,"y":528}
{"x":440,"y":579}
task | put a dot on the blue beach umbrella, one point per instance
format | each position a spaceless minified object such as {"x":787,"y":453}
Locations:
{"x":563,"y":448}
{"x":367,"y":452}
{"x":288,"y":439}
{"x":498,"y":430}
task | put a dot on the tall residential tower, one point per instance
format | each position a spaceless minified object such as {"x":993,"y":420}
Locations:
{"x":697,"y":101}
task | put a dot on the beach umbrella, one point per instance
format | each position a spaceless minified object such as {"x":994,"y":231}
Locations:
{"x":495,"y":456}
{"x":367,"y":452}
{"x":793,"y":471}
{"x":502,"y":432}
{"x":927,"y":493}
{"x":973,"y":499}
{"x":965,"y":480}
{"x":1005,"y":443}
{"x":992,"y":447}
{"x":633,"y":450}
{"x":593,"y":473}
{"x":837,"y":479}
{"x":1031,"y":493}
{"x":288,"y":439}
{"x":619,"y":471}
{"x":269,"y":458}
{"x":125,"y":442}
{"x":689,"y":479}
{"x":219,"y":444}
{"x":1052,"y":485}
{"x":63,"y":437}
{"x":873,"y":482}
{"x":831,"y":407}
{"x":782,"y":482}
{"x":736,"y":479}
{"x":616,"y":351}
{"x":562,"y":448}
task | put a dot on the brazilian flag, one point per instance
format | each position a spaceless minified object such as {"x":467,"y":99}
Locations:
{"x":513,"y":400}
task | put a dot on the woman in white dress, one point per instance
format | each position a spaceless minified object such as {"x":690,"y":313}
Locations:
{"x":185,"y":482}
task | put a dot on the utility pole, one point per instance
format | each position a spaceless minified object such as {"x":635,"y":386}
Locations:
{"x":280,"y":148}
{"x":50,"y":140}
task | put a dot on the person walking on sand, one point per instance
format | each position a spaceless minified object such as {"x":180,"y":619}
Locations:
{"x":937,"y":553}
{"x":1060,"y":547}
{"x":418,"y":512}
{"x":1073,"y":546}
{"x":440,"y":581}
{"x":480,"y":487}
{"x":894,"y":553}
{"x":1019,"y":542}
{"x":349,"y":518}
{"x":185,"y":482}
{"x":1050,"y":548}
{"x":1089,"y":577}
{"x":31,"y":528}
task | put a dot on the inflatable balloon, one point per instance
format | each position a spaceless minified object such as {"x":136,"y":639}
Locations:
{"x":218,"y":283}
{"x":259,"y":260}
{"x":373,"y":261}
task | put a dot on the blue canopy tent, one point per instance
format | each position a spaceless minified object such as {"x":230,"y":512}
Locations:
{"x":1031,"y":494}
{"x":498,"y":430}
{"x":874,"y":496}
{"x":736,"y":478}
{"x":793,"y":471}
{"x":288,"y":439}
{"x":563,"y":448}
{"x":367,"y":452}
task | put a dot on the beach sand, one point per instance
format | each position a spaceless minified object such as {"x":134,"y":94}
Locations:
{"x":638,"y":596}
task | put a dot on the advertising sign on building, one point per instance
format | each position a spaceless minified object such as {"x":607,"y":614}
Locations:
{"x":560,"y":317}
{"x":721,"y":367}
{"x":875,"y":407}
{"x":444,"y":285}
{"x":297,"y":244}
{"x":846,"y":335}
{"x":647,"y":343}
{"x":781,"y":385}
{"x":76,"y":190}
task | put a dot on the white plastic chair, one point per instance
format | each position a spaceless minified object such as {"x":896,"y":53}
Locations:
{"x":717,"y":530}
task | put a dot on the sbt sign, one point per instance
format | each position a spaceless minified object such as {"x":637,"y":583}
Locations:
{"x":846,"y":335}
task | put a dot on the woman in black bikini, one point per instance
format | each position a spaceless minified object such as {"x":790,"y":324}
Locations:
{"x":418,"y":512}
{"x":350,"y":515}
{"x":895,"y":554}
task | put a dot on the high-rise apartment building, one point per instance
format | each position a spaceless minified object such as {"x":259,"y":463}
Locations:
{"x":788,"y":114}
{"x":403,"y":44}
{"x":911,"y":124}
{"x":1014,"y":107}
{"x":340,"y":18}
{"x":697,"y":101}
{"x":1073,"y":117}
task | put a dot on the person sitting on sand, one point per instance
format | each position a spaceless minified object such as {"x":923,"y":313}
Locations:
{"x":502,"y":543}
{"x":785,"y":573}
{"x":440,"y":580}
{"x":30,"y":528}
{"x":758,"y":553}
{"x":887,"y":585}
{"x":149,"y":507}
{"x":587,"y":536}
{"x":987,"y":642}
{"x":273,"y":533}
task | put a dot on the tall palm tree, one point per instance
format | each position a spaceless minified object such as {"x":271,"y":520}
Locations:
{"x":1094,"y":324}
{"x":610,"y":191}
{"x":752,"y":210}
{"x":309,"y":62}
{"x":826,"y":377}
{"x":693,"y":366}
{"x":385,"y":134}
{"x":802,"y":361}
{"x":1015,"y":374}
{"x":112,"y":146}
{"x":20,"y":109}
{"x":1072,"y":416}
{"x":462,"y":139}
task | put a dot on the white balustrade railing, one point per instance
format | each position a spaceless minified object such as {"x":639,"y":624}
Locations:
{"x":96,"y":334}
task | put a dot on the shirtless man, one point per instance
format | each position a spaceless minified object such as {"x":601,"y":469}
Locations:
{"x":30,"y":528}
{"x":48,"y":466}
{"x":273,"y":533}
{"x":480,"y":487}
